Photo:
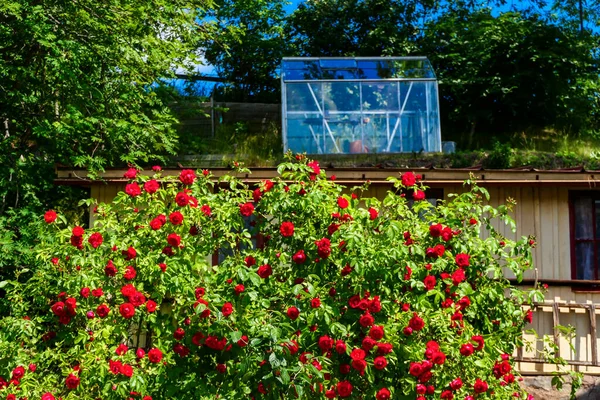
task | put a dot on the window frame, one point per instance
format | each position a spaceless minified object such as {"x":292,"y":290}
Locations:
{"x":595,"y":239}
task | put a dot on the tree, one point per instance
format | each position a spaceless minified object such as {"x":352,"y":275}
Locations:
{"x":248,"y":50}
{"x":359,"y":27}
{"x":511,"y":73}
{"x":76,"y":88}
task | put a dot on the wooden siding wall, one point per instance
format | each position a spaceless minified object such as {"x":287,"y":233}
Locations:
{"x":544,"y":213}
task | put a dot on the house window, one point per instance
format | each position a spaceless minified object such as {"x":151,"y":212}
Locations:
{"x":585,"y":235}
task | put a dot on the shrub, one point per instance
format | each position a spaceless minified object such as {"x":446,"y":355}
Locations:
{"x":318,"y":293}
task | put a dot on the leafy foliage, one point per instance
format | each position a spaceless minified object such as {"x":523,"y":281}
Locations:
{"x":76,"y":88}
{"x":249,"y":48}
{"x":318,"y":293}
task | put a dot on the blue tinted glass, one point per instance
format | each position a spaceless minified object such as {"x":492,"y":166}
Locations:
{"x":338,"y":63}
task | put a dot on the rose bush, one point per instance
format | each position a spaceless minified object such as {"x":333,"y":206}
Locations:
{"x":318,"y":293}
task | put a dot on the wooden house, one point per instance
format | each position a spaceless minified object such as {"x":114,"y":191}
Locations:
{"x":561,"y":208}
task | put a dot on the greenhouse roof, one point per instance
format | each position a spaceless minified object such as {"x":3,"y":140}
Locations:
{"x":356,"y":68}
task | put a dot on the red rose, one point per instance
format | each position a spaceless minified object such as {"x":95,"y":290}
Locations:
{"x":127,"y":310}
{"x":264,"y":271}
{"x":330,"y":394}
{"x":206,"y":210}
{"x":130,"y":273}
{"x":72,"y":381}
{"x":257,"y":195}
{"x":332,"y":228}
{"x":384,"y":348}
{"x":127,"y":370}
{"x":261,"y":388}
{"x":130,"y":253}
{"x":479,"y":340}
{"x":182,"y":199}
{"x":467,"y":349}
{"x":246,"y":209}
{"x":358,"y":354}
{"x":48,"y":396}
{"x":58,"y":308}
{"x":429,"y":282}
{"x":458,"y":276}
{"x":464,"y":302}
{"x":456,"y":384}
{"x":314,"y":165}
{"x":419,"y":195}
{"x":480,"y":386}
{"x":168,"y":251}
{"x":342,"y":202}
{"x":438,"y":358}
{"x":340,"y":347}
{"x":446,"y":395}
{"x":359,"y":365}
{"x":133,"y":189}
{"x":436,"y":230}
{"x":462,"y":260}
{"x":286,"y":229}
{"x":95,"y":239}
{"x":354,"y":301}
{"x":415,"y":369}
{"x":373,"y":213}
{"x":238,"y":289}
{"x":299,"y":257}
{"x":179,"y":333}
{"x":408,"y":179}
{"x":155,"y":355}
{"x":97,"y":292}
{"x":383,"y":394}
{"x":50,"y":216}
{"x":174,"y":239}
{"x":78,"y":231}
{"x":416,"y":322}
{"x":325,"y":343}
{"x":315,"y":303}
{"x":121,"y":349}
{"x":176,"y":218}
{"x":151,"y":305}
{"x":137,"y":299}
{"x":158,"y":222}
{"x":293,"y":313}
{"x":110,"y":269}
{"x":344,"y":389}
{"x":156,"y":168}
{"x":243,"y":342}
{"x":187,"y":176}
{"x":131,"y":173}
{"x":366,"y":320}
{"x":151,"y":186}
{"x":376,"y":332}
{"x":85,"y":292}
{"x":528,"y":317}
{"x":379,"y":363}
{"x":18,"y":373}
{"x":375,"y":305}
{"x":323,"y":247}
{"x":227,"y":309}
{"x":439,"y":249}
{"x":221,"y":368}
{"x":250,"y":261}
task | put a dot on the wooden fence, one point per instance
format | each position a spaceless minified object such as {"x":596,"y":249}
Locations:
{"x":205,"y":119}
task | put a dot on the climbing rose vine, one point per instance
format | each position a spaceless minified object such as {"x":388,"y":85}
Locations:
{"x":195,"y":287}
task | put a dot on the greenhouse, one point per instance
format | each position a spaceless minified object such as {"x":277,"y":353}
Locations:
{"x":360,"y":105}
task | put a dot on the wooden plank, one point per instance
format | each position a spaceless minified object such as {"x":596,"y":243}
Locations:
{"x":593,"y":338}
{"x":555,"y":323}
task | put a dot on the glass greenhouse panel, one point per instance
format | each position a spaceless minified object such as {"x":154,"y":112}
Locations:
{"x":360,"y":105}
